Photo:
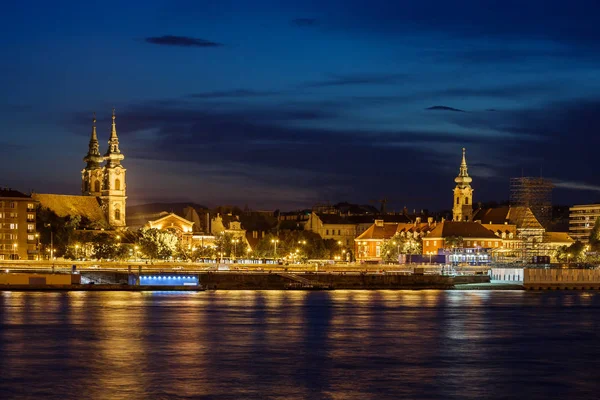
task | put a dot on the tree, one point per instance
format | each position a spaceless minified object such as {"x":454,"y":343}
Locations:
{"x":453,"y":241}
{"x":595,"y":236}
{"x":204,"y":252}
{"x":157,"y":244}
{"x":572,"y":253}
{"x":392,"y":248}
{"x":104,"y":246}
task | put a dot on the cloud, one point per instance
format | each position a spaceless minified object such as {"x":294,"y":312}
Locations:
{"x":317,"y":148}
{"x":576,"y":185}
{"x":236,"y":93}
{"x":359,"y":79}
{"x":181,"y":41}
{"x":305,"y":22}
{"x":444,"y":108}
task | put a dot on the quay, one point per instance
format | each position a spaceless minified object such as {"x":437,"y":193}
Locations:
{"x":112,"y":276}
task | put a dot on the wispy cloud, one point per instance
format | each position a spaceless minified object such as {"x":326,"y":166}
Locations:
{"x":576,"y":185}
{"x":444,"y":108}
{"x":181,"y":41}
{"x":359,"y":79}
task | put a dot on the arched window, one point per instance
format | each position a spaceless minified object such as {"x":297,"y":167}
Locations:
{"x":466,"y":200}
{"x":117,"y":184}
{"x":458,"y":200}
{"x":117,"y":215}
{"x":97,"y":186}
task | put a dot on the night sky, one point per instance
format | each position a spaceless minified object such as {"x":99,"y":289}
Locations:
{"x":282,"y":104}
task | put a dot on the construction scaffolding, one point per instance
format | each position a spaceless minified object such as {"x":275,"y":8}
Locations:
{"x":534,"y":193}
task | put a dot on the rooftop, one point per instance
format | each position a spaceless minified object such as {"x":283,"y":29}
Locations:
{"x":11,"y":193}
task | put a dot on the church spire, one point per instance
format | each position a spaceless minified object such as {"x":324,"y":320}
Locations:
{"x":93,"y":157}
{"x":463,"y":178}
{"x":113,"y":132}
{"x":113,"y":154}
{"x":463,"y":164}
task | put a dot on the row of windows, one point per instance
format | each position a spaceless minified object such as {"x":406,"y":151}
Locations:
{"x":97,"y":186}
{"x":339,"y":232}
{"x":8,"y":215}
{"x":9,"y":226}
{"x":8,"y":236}
{"x":11,"y":247}
{"x":468,"y":243}
{"x":12,"y":204}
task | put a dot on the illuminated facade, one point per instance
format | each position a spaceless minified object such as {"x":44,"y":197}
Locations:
{"x":581,"y":221}
{"x":462,"y":210}
{"x":369,"y":244}
{"x":106,"y":182}
{"x":19,"y":239}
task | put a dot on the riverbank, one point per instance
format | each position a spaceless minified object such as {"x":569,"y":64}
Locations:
{"x":99,"y":288}
{"x":111,"y":281}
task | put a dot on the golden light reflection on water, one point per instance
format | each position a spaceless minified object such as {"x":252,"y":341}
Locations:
{"x":286,"y":344}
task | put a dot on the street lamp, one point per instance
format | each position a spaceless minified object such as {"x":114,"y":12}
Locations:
{"x":274,"y":241}
{"x":235,"y":242}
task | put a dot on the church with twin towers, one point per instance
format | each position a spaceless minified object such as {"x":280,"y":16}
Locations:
{"x":101,"y":204}
{"x":104,"y":177}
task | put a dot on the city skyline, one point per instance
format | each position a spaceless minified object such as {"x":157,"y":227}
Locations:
{"x":305,"y":103}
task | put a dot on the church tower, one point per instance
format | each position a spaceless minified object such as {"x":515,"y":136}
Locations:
{"x":92,"y":175}
{"x":113,"y":188}
{"x":463,"y":194}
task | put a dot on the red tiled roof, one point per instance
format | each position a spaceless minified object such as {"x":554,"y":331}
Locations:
{"x":389,"y":229}
{"x":461,"y":229}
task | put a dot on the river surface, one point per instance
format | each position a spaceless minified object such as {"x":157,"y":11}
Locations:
{"x":300,"y":345}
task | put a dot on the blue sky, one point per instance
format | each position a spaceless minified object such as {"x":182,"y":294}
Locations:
{"x":286,"y":104}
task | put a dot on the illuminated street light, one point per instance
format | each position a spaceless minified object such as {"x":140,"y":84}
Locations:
{"x":235,"y":242}
{"x":274,"y":241}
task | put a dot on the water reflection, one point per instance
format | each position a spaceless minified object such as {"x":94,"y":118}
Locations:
{"x":293,"y":344}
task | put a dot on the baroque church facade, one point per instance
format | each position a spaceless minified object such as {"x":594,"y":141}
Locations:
{"x":103,"y":198}
{"x":104,"y":177}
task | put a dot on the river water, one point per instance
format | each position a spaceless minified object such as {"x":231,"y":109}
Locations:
{"x":300,"y":345}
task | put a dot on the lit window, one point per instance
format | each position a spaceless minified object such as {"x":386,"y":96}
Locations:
{"x":30,"y":227}
{"x":30,"y":237}
{"x":13,"y":226}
